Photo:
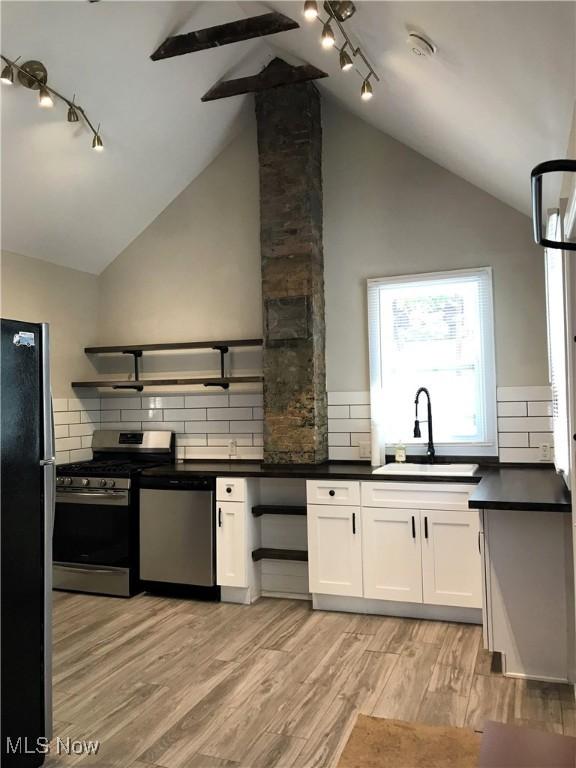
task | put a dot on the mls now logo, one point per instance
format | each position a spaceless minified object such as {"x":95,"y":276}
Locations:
{"x":68,"y":746}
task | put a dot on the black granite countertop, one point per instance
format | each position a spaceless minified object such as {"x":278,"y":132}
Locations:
{"x":498,"y":487}
{"x":527,"y":488}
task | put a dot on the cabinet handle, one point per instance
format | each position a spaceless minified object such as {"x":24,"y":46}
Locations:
{"x":354,"y":522}
{"x":228,"y":490}
{"x":219,"y":518}
{"x":413,"y":527}
{"x":426,"y":527}
{"x":479,"y":547}
{"x":331,"y":493}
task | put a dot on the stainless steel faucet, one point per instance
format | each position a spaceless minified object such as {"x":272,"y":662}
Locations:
{"x":431,"y":451}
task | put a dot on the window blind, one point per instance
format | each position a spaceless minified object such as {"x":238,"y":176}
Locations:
{"x":434,"y":330}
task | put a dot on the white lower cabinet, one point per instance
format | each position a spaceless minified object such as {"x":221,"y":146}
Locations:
{"x":335,"y":550}
{"x":451,"y":558}
{"x":392,"y":557}
{"x":231,"y":544}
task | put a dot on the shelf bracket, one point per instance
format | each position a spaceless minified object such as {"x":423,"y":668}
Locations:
{"x":136,"y":354}
{"x":223,"y":349}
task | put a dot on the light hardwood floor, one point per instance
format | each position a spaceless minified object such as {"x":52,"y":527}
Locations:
{"x":185,"y":684}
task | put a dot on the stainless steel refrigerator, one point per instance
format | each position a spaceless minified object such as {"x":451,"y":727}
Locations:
{"x":27,"y":479}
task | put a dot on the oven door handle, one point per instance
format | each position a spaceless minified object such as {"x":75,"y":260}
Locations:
{"x":79,"y":569}
{"x":92,"y":497}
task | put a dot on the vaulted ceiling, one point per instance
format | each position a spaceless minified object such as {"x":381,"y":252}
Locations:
{"x":495,"y":100}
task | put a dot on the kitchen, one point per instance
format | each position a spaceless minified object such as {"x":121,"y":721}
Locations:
{"x":262,"y":543}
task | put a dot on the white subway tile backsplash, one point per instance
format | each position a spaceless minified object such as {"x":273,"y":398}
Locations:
{"x":206,"y":401}
{"x":67,"y":443}
{"x":360,"y":438}
{"x":185,"y":414}
{"x":207,"y":427}
{"x":109,"y":416}
{"x":61,"y":430}
{"x":82,"y":454}
{"x":258,"y":440}
{"x":59,"y":404}
{"x":543,"y":408}
{"x":190,"y":440}
{"x":124,"y":426}
{"x":524,"y":393}
{"x":348,"y":398}
{"x":241,"y":440}
{"x":77,"y":430}
{"x":62,"y":457}
{"x":67,"y":417}
{"x":90,"y":417}
{"x":348,"y":425}
{"x":170,"y":426}
{"x":240,"y":401}
{"x":518,"y":455}
{"x":86,"y":441}
{"x":538,"y":439}
{"x":229,"y":414}
{"x":513,"y":440}
{"x":360,"y":411}
{"x":338,"y":411}
{"x":80,"y":404}
{"x":338,"y":439}
{"x":111,"y":403}
{"x":344,"y":454}
{"x":164,"y":401}
{"x":258,"y":413}
{"x":142,"y":415}
{"x":525,"y":424}
{"x":254,"y":427}
{"x":512,"y":408}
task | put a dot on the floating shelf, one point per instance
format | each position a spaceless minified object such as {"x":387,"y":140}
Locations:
{"x":137,"y":350}
{"x":277,"y":509}
{"x":267,"y":553}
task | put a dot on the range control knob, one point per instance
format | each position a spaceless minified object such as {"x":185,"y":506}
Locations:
{"x":102,"y":483}
{"x":84,"y":482}
{"x":111,"y":483}
{"x":67,"y":481}
{"x":59,"y":481}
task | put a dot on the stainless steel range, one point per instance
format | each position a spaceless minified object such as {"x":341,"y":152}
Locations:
{"x":96,"y":527}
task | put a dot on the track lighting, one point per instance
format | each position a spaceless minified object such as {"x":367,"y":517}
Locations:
{"x":311,"y":10}
{"x":33,"y":74}
{"x":346,"y":62}
{"x":45,"y":100}
{"x":328,"y":38}
{"x":7,"y":75}
{"x":366,"y":92}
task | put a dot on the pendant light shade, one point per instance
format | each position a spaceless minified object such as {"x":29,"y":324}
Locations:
{"x":97,"y":145}
{"x":72,"y":115}
{"x":45,"y":100}
{"x":7,"y":75}
{"x":346,"y":62}
{"x":311,"y":10}
{"x":327,"y":36}
{"x":366,"y":92}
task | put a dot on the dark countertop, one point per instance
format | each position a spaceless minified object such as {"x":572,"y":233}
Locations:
{"x":529,"y":489}
{"x":503,"y":488}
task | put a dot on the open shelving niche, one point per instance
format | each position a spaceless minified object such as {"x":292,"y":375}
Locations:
{"x":137,"y":351}
{"x":280,"y":548}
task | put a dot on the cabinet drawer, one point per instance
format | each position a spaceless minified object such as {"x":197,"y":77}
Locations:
{"x":413,"y":495}
{"x":341,"y":492}
{"x":230,"y":489}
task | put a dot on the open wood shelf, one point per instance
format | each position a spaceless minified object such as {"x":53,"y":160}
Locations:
{"x":173,"y":346}
{"x":267,"y":553}
{"x":179,"y":382}
{"x":277,"y":509}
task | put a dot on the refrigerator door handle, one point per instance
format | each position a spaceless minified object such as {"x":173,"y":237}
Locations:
{"x":48,"y":462}
{"x":49,"y":470}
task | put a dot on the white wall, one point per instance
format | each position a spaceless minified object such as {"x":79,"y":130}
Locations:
{"x":390,"y":211}
{"x":40,"y":292}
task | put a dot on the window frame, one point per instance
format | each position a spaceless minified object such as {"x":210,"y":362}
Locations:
{"x":486,"y":447}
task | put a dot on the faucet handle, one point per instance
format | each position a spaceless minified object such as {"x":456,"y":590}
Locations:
{"x":417,"y":432}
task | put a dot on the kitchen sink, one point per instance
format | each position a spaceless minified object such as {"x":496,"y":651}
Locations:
{"x":465,"y":470}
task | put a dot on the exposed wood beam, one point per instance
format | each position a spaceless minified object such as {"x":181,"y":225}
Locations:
{"x":271,"y":77}
{"x":225,"y":34}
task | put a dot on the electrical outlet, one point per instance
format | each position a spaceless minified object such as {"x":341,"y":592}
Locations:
{"x":232,"y":448}
{"x":364,"y":449}
{"x":545,"y":452}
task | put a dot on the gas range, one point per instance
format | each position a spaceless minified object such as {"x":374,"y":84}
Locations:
{"x":97,"y":508}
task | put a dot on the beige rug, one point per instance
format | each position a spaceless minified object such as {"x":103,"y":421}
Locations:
{"x":379,"y":743}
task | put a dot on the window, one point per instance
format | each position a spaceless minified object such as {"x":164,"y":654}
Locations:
{"x":435,"y":331}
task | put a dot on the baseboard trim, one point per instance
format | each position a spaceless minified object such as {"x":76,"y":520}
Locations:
{"x":392,"y":608}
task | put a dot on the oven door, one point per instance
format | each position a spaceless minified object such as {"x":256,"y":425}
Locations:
{"x":93,"y":531}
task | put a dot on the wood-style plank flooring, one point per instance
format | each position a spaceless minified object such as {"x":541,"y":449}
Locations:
{"x":185,"y":684}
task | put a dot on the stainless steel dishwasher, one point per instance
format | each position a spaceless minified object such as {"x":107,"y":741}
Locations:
{"x":177,"y":531}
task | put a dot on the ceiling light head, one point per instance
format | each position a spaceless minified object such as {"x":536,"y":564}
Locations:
{"x":340,"y":9}
{"x":328,"y":38}
{"x":7,"y":75}
{"x":366,"y":92}
{"x":97,"y":144}
{"x":420,"y":45}
{"x":45,"y":99}
{"x":310,"y":10}
{"x":72,"y":114}
{"x":346,"y":62}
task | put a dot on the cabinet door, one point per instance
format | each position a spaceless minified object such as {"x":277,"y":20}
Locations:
{"x":392,"y":556}
{"x":334,"y":550}
{"x":451,"y":561}
{"x":231,"y":544}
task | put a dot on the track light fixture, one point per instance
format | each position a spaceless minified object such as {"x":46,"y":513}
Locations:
{"x":311,"y":10}
{"x":33,"y":74}
{"x":328,"y":38}
{"x":338,"y":13}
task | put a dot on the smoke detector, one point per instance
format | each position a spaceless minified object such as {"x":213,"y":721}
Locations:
{"x":420,"y":45}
